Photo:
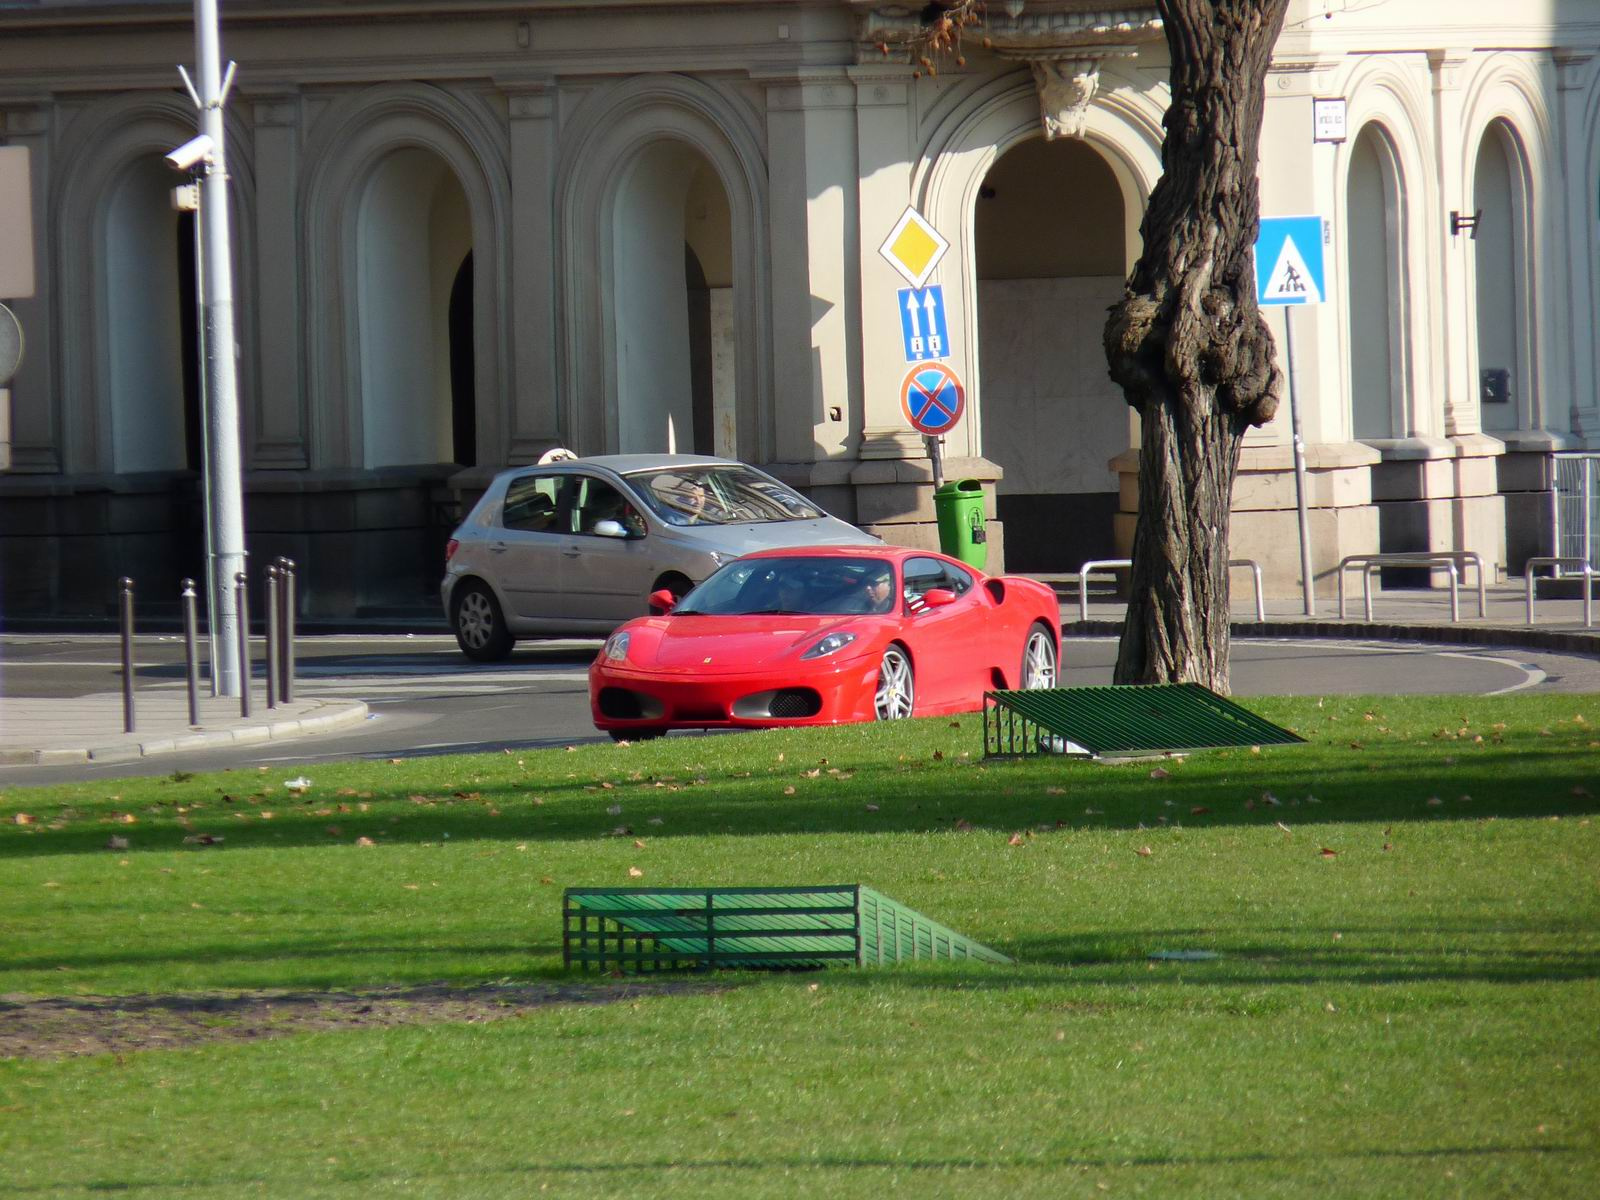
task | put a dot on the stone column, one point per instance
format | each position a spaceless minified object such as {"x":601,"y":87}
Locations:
{"x":1449,"y":334}
{"x":533,"y":421}
{"x":279,"y":428}
{"x":814,"y":239}
{"x":885,"y":136}
{"x":1574,"y":78}
{"x":36,"y":418}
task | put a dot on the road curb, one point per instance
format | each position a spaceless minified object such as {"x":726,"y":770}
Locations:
{"x":325,"y":716}
{"x":1516,"y":637}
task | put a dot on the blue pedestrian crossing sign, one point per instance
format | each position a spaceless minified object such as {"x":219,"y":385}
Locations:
{"x":922,"y":324}
{"x":1289,"y":261}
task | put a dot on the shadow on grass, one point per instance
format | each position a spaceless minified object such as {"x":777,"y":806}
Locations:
{"x":1525,"y":779}
{"x":811,"y":1166}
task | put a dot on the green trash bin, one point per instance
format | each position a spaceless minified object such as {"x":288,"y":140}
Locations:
{"x":958,"y":506}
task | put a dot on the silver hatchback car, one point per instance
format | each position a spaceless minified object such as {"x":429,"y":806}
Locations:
{"x":578,"y":546}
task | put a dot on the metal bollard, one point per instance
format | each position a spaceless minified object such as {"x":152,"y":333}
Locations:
{"x":286,"y":632}
{"x":242,"y":602}
{"x":190,"y":654}
{"x":126,"y":585}
{"x":273,"y":577}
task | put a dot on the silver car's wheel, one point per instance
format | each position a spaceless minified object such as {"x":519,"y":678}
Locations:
{"x":480,"y":628}
{"x":1038,"y":660}
{"x":897,"y":688}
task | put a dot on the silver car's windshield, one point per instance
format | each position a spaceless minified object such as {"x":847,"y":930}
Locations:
{"x":723,"y":495}
{"x":790,"y":586}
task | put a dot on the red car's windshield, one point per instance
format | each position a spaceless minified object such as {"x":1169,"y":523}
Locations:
{"x":812,"y":586}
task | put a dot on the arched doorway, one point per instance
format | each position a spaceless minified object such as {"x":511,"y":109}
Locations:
{"x":413,"y":246}
{"x":673,"y":305}
{"x":1374,"y":260}
{"x":1051,"y":258}
{"x":151,"y":324}
{"x":1502,"y":292}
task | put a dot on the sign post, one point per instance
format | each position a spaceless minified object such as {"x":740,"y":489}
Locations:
{"x":931,"y":396}
{"x":1290,"y":273}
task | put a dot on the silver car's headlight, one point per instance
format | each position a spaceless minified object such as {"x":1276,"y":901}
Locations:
{"x":616,"y":647}
{"x":831,"y":644}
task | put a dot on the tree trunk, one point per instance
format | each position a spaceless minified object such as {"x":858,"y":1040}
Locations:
{"x":1187,"y":343}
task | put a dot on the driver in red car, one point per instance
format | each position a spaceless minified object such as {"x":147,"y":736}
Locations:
{"x":877,"y":593}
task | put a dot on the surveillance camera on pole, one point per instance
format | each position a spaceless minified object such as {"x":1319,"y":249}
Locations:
{"x":191,"y":154}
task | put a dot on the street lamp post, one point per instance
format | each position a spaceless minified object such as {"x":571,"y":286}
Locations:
{"x":207,"y":155}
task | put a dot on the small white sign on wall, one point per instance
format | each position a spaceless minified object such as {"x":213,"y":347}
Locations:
{"x":1328,"y":118}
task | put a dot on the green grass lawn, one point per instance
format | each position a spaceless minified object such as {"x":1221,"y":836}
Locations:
{"x":1405,"y":915}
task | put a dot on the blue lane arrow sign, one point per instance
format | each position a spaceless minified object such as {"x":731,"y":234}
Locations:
{"x":922,"y":324}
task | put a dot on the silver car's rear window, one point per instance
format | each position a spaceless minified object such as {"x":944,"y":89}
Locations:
{"x":730,"y":495}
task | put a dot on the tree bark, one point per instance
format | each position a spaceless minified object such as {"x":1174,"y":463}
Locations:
{"x":1187,"y":343}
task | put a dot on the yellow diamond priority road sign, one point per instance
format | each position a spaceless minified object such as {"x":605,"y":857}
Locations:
{"x":913,"y":248}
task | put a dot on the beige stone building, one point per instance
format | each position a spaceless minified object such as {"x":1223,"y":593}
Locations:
{"x":467,"y":232}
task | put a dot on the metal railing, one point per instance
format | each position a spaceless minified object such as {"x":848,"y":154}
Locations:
{"x":1582,"y":568}
{"x":1575,"y":507}
{"x":1451,"y":561}
{"x":1103,"y":564}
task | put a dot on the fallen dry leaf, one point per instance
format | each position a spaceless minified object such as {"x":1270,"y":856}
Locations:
{"x":638,"y":843}
{"x":1144,"y":852}
{"x":1328,"y":853}
{"x":116,"y":843}
{"x":1016,"y":839}
{"x":789,"y":791}
{"x":365,"y":841}
{"x":963,"y":824}
{"x":1198,"y":809}
{"x":1159,"y":773}
{"x":1284,"y":827}
{"x":22,"y":819}
{"x":635,"y":873}
{"x":872,"y":808}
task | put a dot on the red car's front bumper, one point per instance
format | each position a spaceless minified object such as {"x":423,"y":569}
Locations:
{"x":623,"y":698}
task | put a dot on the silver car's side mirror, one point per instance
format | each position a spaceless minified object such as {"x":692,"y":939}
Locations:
{"x":608,"y":528}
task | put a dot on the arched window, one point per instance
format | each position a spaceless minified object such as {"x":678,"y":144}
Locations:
{"x":151,"y":322}
{"x":674,"y":305}
{"x":1051,"y":252}
{"x":413,"y":237}
{"x":1502,"y":292}
{"x":1375,"y":260}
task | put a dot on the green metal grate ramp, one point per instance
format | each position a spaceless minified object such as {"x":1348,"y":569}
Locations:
{"x":665,"y":929}
{"x":1122,"y":720}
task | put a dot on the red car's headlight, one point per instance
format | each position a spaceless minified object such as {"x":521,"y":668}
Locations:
{"x":616,"y":647}
{"x":831,"y":644}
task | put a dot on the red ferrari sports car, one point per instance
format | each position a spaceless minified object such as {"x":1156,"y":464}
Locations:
{"x":824,"y":635}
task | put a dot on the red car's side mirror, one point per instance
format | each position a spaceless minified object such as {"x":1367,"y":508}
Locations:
{"x":938,"y":597}
{"x":662,"y":601}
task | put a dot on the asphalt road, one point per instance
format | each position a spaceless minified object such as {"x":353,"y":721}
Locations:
{"x":425,"y":698}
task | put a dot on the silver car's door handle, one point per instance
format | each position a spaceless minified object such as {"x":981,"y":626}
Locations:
{"x":498,"y":548}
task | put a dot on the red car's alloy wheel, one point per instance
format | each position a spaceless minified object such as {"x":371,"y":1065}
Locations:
{"x":897,"y":688}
